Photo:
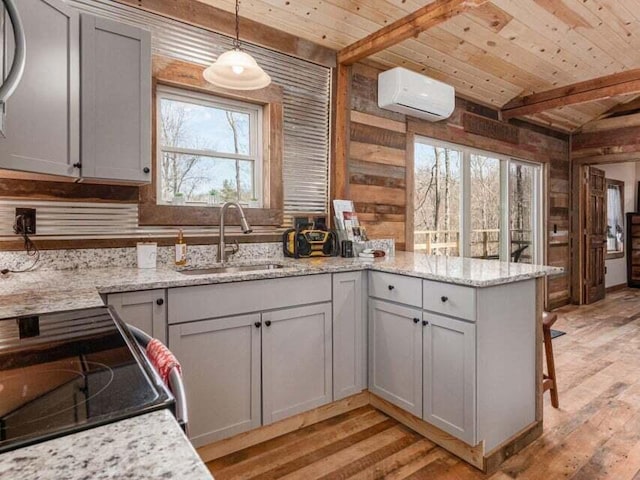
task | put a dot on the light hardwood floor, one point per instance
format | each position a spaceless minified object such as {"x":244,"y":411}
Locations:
{"x":594,"y":435}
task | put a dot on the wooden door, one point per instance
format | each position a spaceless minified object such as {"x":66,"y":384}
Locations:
{"x":116,"y":100}
{"x":349,"y":334}
{"x":450,"y":375}
{"x":41,"y":129}
{"x":595,"y":235}
{"x":221,"y":367}
{"x":296,"y":360}
{"x":146,"y":310}
{"x":395,"y":354}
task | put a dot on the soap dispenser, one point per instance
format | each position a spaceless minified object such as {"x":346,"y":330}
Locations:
{"x":181,"y":250}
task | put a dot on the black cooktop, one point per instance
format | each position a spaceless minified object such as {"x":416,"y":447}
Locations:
{"x":69,"y":371}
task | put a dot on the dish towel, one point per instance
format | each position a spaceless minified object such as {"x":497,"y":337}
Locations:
{"x":162,"y":359}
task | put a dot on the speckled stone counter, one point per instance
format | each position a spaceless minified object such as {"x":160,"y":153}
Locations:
{"x":56,"y":290}
{"x":150,"y":446}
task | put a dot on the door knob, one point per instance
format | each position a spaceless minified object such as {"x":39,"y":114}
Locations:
{"x":444,"y":299}
{"x":391,"y":287}
{"x":425,"y":323}
{"x":258,"y":324}
{"x":160,"y":301}
{"x":268,"y":323}
{"x":416,"y":320}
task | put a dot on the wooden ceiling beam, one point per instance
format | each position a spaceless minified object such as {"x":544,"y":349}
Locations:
{"x":583,"y":92}
{"x":612,"y":123}
{"x":410,"y":26}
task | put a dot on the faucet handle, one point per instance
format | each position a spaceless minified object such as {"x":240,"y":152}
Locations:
{"x":232,"y":249}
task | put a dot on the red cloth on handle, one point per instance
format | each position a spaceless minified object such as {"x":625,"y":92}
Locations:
{"x":162,"y":359}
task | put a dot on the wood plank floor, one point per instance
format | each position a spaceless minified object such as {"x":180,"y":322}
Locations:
{"x":594,"y":435}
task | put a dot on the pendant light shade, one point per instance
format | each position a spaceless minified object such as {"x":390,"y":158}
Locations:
{"x":236,"y":69}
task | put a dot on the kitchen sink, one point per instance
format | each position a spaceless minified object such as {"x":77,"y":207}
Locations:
{"x":232,"y":269}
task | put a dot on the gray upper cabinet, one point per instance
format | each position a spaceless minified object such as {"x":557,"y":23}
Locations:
{"x":146,"y":310}
{"x":296,"y":360}
{"x":116,"y":100}
{"x":349,"y":334}
{"x":42,"y":117}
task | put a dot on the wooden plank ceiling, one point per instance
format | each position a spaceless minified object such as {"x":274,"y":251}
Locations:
{"x":491,"y":54}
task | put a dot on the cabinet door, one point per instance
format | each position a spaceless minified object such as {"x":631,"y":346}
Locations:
{"x":296,"y":360}
{"x":395,"y":354}
{"x":221,"y":367}
{"x":146,"y":310}
{"x":349,"y":334}
{"x":116,"y":100}
{"x":450,"y":376}
{"x":41,"y":129}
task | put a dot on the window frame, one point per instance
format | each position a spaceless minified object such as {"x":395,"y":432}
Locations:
{"x":612,"y":254}
{"x":180,"y":74}
{"x":465,"y":201}
{"x":256,"y":128}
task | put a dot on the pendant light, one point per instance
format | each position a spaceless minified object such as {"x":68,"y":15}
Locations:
{"x":236,"y":69}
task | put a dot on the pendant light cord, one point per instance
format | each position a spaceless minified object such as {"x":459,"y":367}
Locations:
{"x":236,"y":43}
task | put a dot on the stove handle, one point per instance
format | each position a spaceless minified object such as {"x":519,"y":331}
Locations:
{"x":176,"y":384}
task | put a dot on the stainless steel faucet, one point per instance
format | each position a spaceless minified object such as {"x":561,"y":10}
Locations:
{"x":244,"y":224}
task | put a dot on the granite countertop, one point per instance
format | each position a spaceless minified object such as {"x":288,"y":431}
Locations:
{"x":149,"y":446}
{"x":56,"y":290}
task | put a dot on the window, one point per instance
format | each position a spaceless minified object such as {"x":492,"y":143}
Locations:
{"x":477,"y":204}
{"x":615,"y":218}
{"x":437,"y":199}
{"x":210,"y":149}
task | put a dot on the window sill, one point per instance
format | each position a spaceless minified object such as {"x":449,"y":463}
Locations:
{"x":614,"y":255}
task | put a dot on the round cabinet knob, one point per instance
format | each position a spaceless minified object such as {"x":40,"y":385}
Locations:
{"x":258,"y":324}
{"x":160,"y":301}
{"x":444,"y":299}
{"x":416,"y":320}
{"x":268,"y":323}
{"x":146,"y":169}
{"x":425,"y":323}
{"x":77,"y":165}
{"x":391,"y":287}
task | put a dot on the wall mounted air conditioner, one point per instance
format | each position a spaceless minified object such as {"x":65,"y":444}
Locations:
{"x":401,"y":90}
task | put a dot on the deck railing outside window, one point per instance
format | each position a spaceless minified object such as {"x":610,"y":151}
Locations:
{"x":484,"y":243}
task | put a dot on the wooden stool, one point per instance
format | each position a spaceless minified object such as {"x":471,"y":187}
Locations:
{"x":549,"y":380}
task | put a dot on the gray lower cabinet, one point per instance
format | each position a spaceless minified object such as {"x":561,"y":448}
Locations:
{"x":450,"y":375}
{"x":146,"y":310}
{"x":395,"y":354}
{"x":349,"y":334}
{"x":296,"y":360}
{"x":116,"y":100}
{"x":220,"y":361}
{"x":41,"y":130}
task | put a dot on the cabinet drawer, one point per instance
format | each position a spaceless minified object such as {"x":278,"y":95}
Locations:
{"x":187,"y":304}
{"x":396,"y":288}
{"x":448,"y":299}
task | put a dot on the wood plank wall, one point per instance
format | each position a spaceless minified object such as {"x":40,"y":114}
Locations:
{"x":378,"y":158}
{"x":611,"y":146}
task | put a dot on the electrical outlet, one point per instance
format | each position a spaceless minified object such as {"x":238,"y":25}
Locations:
{"x":25,"y":221}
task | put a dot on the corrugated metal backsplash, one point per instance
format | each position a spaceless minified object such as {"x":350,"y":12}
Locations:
{"x":91,"y":220}
{"x":306,"y":91}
